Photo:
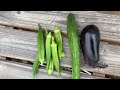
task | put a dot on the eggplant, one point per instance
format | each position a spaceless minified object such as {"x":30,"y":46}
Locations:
{"x":90,"y":42}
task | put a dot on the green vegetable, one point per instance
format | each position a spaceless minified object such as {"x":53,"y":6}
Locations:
{"x":51,"y":67}
{"x":41,"y":50}
{"x":46,"y":32}
{"x":55,"y":56}
{"x":48,"y":49}
{"x":35,"y":67}
{"x":58,"y":37}
{"x":74,"y":44}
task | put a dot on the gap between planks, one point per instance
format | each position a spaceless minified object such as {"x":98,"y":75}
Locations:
{"x":93,"y":74}
{"x":15,"y":70}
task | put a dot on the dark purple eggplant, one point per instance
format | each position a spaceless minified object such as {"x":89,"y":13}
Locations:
{"x":90,"y":41}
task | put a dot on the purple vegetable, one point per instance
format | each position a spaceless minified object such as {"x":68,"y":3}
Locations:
{"x":90,"y":41}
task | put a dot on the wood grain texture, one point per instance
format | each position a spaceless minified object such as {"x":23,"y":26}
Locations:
{"x":108,"y":24}
{"x":12,"y":70}
{"x":23,"y":45}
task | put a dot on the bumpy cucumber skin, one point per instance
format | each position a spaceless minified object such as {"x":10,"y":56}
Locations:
{"x":74,"y":44}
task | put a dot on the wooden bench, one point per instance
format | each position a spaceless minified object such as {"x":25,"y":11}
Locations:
{"x":18,"y":42}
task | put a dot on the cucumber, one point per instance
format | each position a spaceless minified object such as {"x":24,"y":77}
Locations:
{"x":74,"y":44}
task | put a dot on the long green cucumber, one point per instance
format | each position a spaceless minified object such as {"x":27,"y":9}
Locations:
{"x":74,"y":44}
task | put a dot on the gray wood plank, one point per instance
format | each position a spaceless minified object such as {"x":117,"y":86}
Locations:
{"x":108,"y":23}
{"x":23,"y":45}
{"x":11,"y":70}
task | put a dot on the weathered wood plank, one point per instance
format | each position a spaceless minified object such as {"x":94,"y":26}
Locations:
{"x":23,"y":45}
{"x":11,"y":70}
{"x":108,"y":24}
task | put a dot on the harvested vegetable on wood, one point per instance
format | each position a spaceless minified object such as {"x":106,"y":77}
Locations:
{"x":40,"y":57}
{"x":55,"y":56}
{"x":48,"y":49}
{"x":74,"y":44}
{"x":41,"y":49}
{"x":90,"y":41}
{"x":58,"y":38}
{"x":35,"y":67}
{"x":51,"y":67}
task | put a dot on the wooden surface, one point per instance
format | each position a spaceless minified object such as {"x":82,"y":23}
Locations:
{"x":11,"y":70}
{"x":23,"y":44}
{"x":108,"y":24}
